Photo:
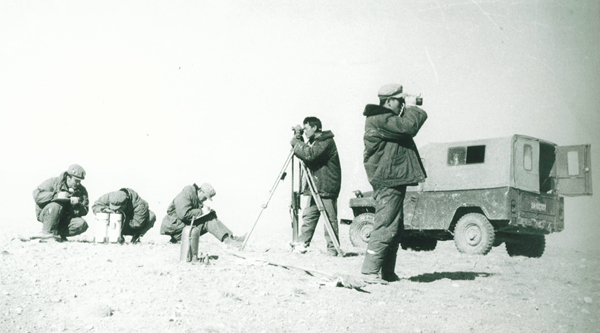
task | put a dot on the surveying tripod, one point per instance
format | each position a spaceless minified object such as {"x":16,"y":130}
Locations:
{"x":308,"y":177}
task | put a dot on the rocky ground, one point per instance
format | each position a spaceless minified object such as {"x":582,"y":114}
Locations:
{"x":78,"y":286}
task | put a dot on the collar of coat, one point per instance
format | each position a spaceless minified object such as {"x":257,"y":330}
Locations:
{"x":63,"y":182}
{"x":373,"y":110}
{"x":324,"y":136}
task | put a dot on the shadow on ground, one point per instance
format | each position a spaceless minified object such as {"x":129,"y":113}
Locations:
{"x":431,"y":277}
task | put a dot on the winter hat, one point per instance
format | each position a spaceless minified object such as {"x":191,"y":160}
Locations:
{"x":117,"y":200}
{"x":208,"y":190}
{"x":390,"y":91}
{"x":76,"y":171}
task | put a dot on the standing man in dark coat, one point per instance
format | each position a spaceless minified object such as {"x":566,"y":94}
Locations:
{"x":392,"y":162}
{"x":137,"y":217}
{"x":59,"y":204}
{"x":188,"y":205}
{"x":320,"y":156}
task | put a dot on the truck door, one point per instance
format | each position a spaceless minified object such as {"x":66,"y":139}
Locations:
{"x":573,"y":170}
{"x":526,"y":169}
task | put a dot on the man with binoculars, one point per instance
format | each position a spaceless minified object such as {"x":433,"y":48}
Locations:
{"x":392,"y":162}
{"x":320,"y":156}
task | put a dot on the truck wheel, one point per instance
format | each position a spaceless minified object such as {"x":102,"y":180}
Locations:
{"x":360,"y":230}
{"x":527,"y":246}
{"x":418,"y":244}
{"x":474,"y":234}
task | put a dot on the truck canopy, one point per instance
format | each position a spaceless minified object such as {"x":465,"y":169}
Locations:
{"x":487,"y":163}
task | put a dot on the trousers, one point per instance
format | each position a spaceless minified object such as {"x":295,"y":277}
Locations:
{"x":310,"y":218}
{"x":141,"y":231}
{"x":56,"y":220}
{"x":387,"y":230}
{"x":174,"y":227}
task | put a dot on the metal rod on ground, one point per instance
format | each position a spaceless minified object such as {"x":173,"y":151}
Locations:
{"x":319,"y":202}
{"x":347,"y":281}
{"x":280,"y":177}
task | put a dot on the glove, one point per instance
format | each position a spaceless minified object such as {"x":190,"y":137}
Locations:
{"x":294,"y":141}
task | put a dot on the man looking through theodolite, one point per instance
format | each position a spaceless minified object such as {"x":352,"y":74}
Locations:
{"x":320,"y":155}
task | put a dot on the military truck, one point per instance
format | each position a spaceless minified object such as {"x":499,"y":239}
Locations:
{"x":484,"y":193}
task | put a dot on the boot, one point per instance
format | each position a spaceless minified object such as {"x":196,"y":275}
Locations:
{"x":135,"y":239}
{"x":45,"y":235}
{"x":232,"y":242}
{"x":299,"y":248}
{"x":373,"y":279}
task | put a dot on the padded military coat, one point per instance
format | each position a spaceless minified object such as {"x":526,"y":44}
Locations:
{"x":321,"y":157}
{"x":390,"y":156}
{"x":186,"y":205}
{"x":48,"y":190}
{"x":136,"y":210}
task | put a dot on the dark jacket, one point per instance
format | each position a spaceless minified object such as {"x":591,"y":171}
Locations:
{"x":186,"y":205}
{"x":182,"y":209}
{"x":322,"y":159}
{"x":136,"y":210}
{"x":46,"y":192}
{"x":391,"y":157}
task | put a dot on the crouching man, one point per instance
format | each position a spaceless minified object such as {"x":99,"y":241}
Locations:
{"x":60,"y":203}
{"x":188,"y":205}
{"x":137,"y":217}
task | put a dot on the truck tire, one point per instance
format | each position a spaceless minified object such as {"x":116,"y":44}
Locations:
{"x":527,"y":246}
{"x":418,"y":244}
{"x":360,"y":230}
{"x":474,"y":234}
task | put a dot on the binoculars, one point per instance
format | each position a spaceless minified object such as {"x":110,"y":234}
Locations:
{"x":418,"y":99}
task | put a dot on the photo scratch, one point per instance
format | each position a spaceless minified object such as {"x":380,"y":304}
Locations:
{"x":437,"y":80}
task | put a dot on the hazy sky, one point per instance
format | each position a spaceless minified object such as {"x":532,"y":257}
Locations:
{"x":156,"y":95}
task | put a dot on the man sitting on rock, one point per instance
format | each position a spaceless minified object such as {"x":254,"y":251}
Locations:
{"x":60,"y":203}
{"x":137,"y":217}
{"x":188,"y":205}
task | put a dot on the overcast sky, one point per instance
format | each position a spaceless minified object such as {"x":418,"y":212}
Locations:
{"x":156,"y":95}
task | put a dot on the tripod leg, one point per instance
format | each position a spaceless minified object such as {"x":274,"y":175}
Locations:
{"x":280,"y":177}
{"x":294,"y":207}
{"x":319,"y":202}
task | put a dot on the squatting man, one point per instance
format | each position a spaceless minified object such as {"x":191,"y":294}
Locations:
{"x":60,"y":203}
{"x":137,"y":216}
{"x":320,"y":156}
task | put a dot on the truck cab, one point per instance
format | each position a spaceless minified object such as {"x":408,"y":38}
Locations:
{"x":484,"y":193}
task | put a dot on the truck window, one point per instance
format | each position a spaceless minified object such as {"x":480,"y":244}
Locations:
{"x":573,"y":163}
{"x":527,"y":157}
{"x":475,"y":154}
{"x":466,"y":155}
{"x":457,"y":156}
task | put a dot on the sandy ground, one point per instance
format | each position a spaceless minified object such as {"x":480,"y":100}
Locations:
{"x":78,"y":286}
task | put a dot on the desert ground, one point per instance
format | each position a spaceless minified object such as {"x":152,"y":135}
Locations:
{"x":80,"y":286}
